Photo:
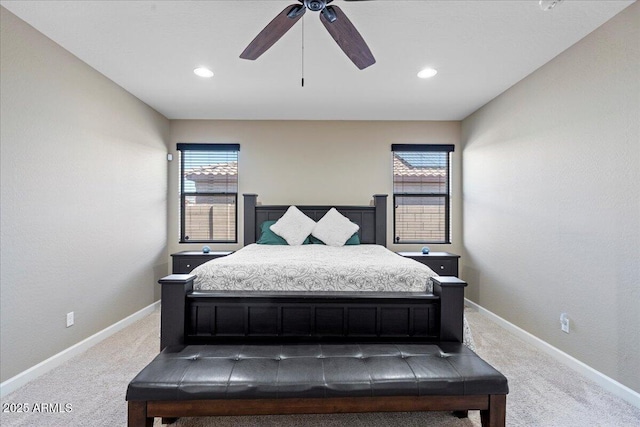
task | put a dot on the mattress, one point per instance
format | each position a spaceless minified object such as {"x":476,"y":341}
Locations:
{"x":314,"y":268}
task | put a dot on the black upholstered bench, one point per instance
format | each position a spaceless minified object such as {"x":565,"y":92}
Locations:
{"x":240,"y":379}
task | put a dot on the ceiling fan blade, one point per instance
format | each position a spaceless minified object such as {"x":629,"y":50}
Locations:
{"x":347,"y":37}
{"x":273,"y":31}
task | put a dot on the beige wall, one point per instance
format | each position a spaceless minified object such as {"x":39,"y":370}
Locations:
{"x":552,"y":201}
{"x":84,"y":207}
{"x":315,"y":162}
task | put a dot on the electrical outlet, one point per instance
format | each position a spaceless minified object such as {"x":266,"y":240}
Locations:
{"x":70,"y":319}
{"x":564,"y":322}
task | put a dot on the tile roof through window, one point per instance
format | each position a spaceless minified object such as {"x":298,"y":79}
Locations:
{"x":402,"y":168}
{"x":203,"y":172}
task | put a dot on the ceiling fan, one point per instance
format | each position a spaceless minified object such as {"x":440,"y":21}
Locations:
{"x":334,"y":20}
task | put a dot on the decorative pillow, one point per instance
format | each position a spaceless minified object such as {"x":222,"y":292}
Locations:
{"x":268,"y":237}
{"x":293,"y":226}
{"x":334,"y":229}
{"x":353,"y":240}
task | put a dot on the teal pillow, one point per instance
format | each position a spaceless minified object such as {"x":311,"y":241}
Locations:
{"x":315,"y":241}
{"x":268,"y":237}
{"x":353,"y":240}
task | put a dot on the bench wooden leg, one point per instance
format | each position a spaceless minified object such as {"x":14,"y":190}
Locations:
{"x":137,"y":414}
{"x":495,"y":416}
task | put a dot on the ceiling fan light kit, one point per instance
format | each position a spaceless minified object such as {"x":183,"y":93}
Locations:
{"x":334,"y":20}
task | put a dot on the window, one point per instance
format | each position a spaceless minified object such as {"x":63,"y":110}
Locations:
{"x":208,"y":193}
{"x":421,"y":193}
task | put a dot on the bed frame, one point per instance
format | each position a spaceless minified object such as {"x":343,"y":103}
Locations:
{"x":202,"y":317}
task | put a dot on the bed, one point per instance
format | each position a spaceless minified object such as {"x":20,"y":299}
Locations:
{"x":289,"y":293}
{"x":314,"y":268}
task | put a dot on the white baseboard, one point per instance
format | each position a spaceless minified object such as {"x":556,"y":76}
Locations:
{"x":585,"y":370}
{"x":56,"y":360}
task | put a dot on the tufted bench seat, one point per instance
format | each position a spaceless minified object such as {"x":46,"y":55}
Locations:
{"x":242,"y":379}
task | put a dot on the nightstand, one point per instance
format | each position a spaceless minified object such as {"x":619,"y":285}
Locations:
{"x":185,"y":261}
{"x":443,"y":263}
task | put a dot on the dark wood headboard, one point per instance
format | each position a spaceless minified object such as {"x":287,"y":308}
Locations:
{"x":371,"y":219}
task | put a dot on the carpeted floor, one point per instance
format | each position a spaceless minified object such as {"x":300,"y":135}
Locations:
{"x":89,"y":390}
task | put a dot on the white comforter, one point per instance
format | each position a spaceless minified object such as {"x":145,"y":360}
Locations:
{"x":314,"y":268}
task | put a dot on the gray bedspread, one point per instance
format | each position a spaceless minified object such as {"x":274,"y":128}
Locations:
{"x":314,"y":268}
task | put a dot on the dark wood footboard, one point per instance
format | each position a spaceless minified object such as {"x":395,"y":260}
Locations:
{"x":451,"y":292}
{"x":173,"y":308}
{"x":190,"y":317}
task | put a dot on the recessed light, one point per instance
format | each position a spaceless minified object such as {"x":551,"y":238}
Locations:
{"x":203,"y":72}
{"x":427,"y":73}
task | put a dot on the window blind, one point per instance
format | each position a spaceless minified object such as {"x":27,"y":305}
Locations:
{"x":421,"y":187}
{"x":208,"y":193}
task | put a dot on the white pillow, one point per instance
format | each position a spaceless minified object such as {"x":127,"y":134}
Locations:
{"x":294,"y":226}
{"x":334,"y":229}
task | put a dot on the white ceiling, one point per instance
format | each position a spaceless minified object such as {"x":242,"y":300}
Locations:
{"x":480,"y":49}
